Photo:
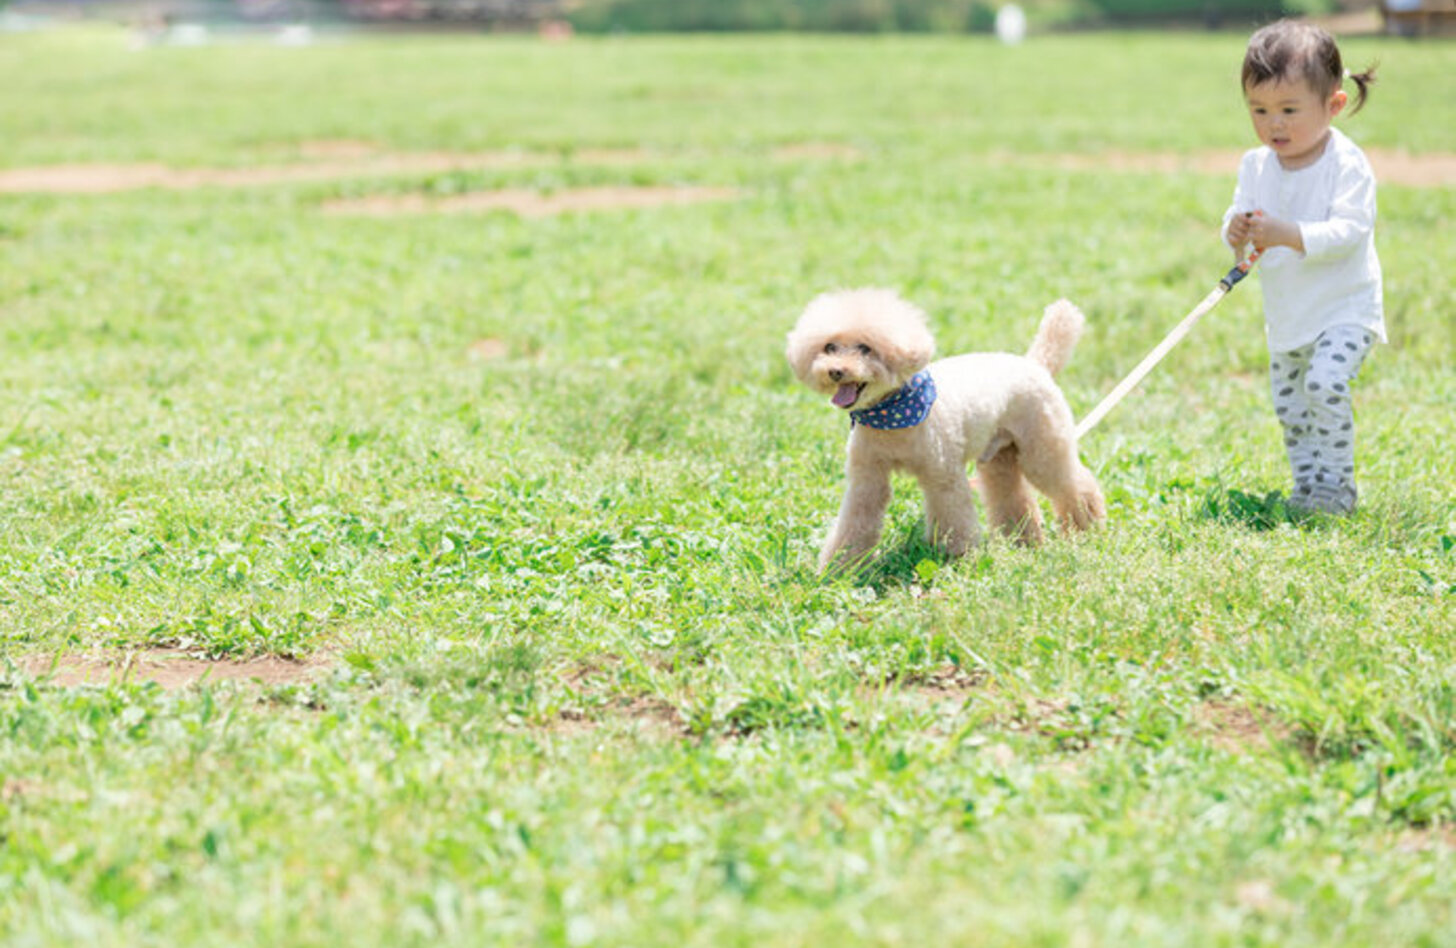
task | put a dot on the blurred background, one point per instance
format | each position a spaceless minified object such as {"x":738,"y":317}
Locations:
{"x":561,"y":18}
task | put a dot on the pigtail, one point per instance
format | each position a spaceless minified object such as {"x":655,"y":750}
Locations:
{"x":1363,"y":81}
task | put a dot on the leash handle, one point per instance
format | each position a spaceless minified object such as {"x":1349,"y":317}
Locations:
{"x":1242,"y":268}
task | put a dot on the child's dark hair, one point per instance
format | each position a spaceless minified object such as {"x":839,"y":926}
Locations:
{"x":1289,"y":49}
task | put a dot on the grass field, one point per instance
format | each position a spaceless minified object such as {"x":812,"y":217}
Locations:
{"x":537,"y":501}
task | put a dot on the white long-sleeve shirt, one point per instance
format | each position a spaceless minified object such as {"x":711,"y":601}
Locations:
{"x":1337,"y":278}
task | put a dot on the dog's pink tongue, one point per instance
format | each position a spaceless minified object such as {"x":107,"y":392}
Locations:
{"x":846,"y":395}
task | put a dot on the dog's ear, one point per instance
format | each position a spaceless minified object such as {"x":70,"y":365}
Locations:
{"x":800,"y":349}
{"x":816,"y":326}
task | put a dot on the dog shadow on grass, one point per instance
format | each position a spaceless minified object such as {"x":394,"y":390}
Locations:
{"x":903,"y":562}
{"x":912,"y":560}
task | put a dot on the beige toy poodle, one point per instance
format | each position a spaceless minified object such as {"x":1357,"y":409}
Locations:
{"x":870,"y":351}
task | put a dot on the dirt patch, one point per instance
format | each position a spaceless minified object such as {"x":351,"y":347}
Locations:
{"x":531,"y":203}
{"x":940,"y":684}
{"x":1427,"y":839}
{"x":169,"y":668}
{"x":1434,"y":170}
{"x":107,"y":179}
{"x":488,"y":350}
{"x":1261,"y":897}
{"x":1416,"y":171}
{"x":1237,"y":729}
{"x":344,"y":159}
{"x":14,"y":787}
{"x":816,"y":151}
{"x":337,"y":160}
{"x":652,"y":717}
{"x":324,"y":161}
{"x":593,"y":684}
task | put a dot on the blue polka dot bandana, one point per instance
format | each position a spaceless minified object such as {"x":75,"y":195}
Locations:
{"x":904,"y":409}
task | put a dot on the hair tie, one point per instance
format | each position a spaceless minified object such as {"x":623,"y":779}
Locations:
{"x":1347,"y":74}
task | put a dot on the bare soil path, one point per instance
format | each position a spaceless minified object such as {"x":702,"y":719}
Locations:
{"x":343,"y":160}
{"x":169,"y":668}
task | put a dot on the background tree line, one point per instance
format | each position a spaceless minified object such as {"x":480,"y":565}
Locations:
{"x":869,"y":16}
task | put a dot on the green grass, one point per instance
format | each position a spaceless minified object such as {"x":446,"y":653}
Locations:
{"x":588,"y":688}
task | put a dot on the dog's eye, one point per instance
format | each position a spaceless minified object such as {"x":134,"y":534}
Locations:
{"x":830,"y":348}
{"x":864,"y":350}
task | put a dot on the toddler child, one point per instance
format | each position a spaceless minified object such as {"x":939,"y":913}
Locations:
{"x":1307,"y":198}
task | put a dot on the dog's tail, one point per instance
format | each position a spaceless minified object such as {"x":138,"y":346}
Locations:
{"x":1061,"y":327}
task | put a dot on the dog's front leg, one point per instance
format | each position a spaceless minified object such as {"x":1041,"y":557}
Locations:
{"x":950,"y":512}
{"x":861,"y":517}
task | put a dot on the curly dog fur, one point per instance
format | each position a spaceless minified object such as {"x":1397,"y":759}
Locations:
{"x":1001,"y":411}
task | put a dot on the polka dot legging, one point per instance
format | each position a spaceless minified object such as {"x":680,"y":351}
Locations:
{"x":1311,"y":389}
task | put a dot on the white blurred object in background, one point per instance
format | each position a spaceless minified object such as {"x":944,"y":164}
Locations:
{"x":1010,"y":24}
{"x":187,"y":34}
{"x":295,"y":34}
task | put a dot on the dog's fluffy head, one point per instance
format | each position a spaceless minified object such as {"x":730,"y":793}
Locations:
{"x":858,"y":346}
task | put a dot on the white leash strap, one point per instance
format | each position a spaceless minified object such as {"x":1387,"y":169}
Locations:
{"x":1152,"y":359}
{"x":1171,"y":340}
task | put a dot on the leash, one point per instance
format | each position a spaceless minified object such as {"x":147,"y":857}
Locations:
{"x":1240,"y":270}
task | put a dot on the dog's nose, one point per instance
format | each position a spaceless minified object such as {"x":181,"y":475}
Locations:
{"x":835,"y":375}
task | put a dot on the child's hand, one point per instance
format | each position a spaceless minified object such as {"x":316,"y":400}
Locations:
{"x":1257,"y":228}
{"x":1239,"y":228}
